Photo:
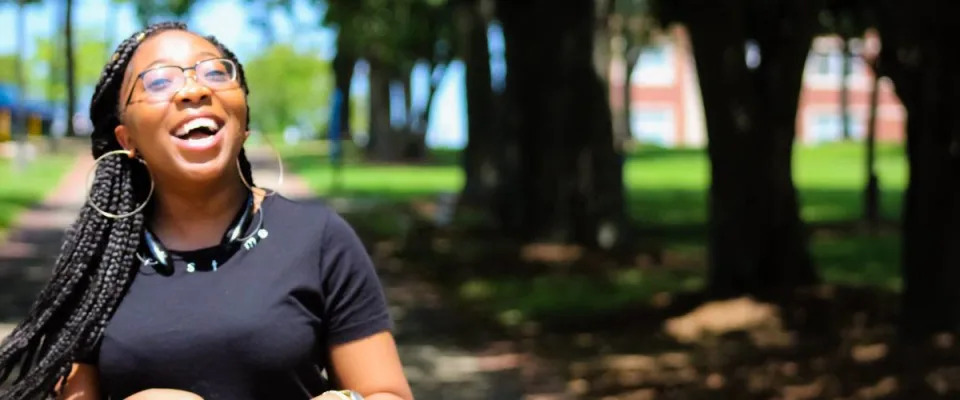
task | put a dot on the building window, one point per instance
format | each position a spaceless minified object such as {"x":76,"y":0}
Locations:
{"x":653,"y":126}
{"x":825,"y":67}
{"x":654,"y":66}
{"x":828,"y":127}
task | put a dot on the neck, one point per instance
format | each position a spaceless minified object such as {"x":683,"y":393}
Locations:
{"x":192,"y":217}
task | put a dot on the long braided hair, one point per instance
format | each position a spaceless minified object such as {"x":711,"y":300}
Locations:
{"x":97,"y":260}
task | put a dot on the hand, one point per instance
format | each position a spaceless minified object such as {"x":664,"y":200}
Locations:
{"x":329,"y":396}
{"x":164,"y":394}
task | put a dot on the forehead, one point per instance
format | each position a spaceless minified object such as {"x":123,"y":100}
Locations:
{"x":172,"y":47}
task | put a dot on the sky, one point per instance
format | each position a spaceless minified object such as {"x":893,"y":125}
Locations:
{"x":447,"y":122}
{"x":206,"y":18}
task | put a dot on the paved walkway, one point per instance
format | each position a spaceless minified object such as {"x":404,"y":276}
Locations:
{"x":438,"y":368}
{"x":33,"y":242}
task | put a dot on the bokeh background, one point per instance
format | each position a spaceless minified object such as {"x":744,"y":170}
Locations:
{"x":577,"y":199}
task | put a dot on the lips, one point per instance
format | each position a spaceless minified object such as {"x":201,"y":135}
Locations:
{"x":198,"y":124}
{"x":198,"y":132}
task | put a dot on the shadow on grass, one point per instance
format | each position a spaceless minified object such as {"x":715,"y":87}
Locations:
{"x":603,"y":326}
{"x":679,"y":207}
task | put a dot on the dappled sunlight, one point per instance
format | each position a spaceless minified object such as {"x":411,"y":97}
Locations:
{"x":868,"y":353}
{"x":886,"y":386}
{"x":722,"y":317}
{"x":550,"y":253}
{"x":635,"y":326}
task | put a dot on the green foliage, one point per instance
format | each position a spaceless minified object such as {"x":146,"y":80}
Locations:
{"x":46,"y":70}
{"x":8,"y":68}
{"x":393,"y":32}
{"x":288,"y":88}
{"x":148,"y":10}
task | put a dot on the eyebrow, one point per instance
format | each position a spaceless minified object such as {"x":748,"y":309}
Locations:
{"x":167,"y":61}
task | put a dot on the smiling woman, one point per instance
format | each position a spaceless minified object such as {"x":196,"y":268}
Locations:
{"x":180,"y":279}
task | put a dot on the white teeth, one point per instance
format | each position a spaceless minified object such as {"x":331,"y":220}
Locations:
{"x":208,"y":123}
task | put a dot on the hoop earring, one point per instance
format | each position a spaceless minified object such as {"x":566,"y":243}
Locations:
{"x":128,"y":153}
{"x":267,"y":192}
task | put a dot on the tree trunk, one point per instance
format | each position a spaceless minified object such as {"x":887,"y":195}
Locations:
{"x":844,"y":90}
{"x":417,"y":121}
{"x":757,"y":242}
{"x":871,"y":195}
{"x":622,"y":121}
{"x":414,"y":140}
{"x":343,"y":65}
{"x":387,"y":142}
{"x":481,"y":160}
{"x":920,"y":59}
{"x":19,"y":122}
{"x":569,"y":173}
{"x":380,"y":135}
{"x":932,"y":204}
{"x":621,"y":115}
{"x":71,"y":83}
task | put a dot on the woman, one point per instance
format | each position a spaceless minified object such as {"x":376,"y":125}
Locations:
{"x":180,"y":279}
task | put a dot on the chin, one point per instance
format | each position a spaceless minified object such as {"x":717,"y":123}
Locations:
{"x":209,"y":171}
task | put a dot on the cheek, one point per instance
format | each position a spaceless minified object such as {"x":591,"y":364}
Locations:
{"x":145,"y":124}
{"x":236,"y":105}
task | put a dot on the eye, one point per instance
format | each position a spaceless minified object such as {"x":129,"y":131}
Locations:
{"x":216,"y":76}
{"x":160,"y":80}
{"x":157,"y":84}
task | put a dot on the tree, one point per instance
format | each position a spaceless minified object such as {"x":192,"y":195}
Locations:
{"x":20,"y":123}
{"x":288,"y":88}
{"x":149,"y":10}
{"x":47,"y":67}
{"x":343,"y":66}
{"x":483,"y":159}
{"x":757,"y":242}
{"x":871,"y":191}
{"x":918,"y":55}
{"x":69,"y":56}
{"x":392,"y":36}
{"x":569,"y":175}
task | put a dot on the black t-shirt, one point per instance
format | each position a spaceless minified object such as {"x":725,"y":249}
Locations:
{"x":260,"y":326}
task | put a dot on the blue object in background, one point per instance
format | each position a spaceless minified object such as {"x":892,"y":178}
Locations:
{"x":335,"y":129}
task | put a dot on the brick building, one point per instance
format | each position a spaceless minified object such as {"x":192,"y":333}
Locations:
{"x":666,"y":108}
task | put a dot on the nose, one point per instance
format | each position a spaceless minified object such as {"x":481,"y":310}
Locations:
{"x":192,"y":91}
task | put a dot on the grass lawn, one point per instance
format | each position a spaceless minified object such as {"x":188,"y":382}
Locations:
{"x":666,"y":188}
{"x":21,"y":189}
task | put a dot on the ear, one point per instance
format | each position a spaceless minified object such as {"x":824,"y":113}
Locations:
{"x":123,"y":137}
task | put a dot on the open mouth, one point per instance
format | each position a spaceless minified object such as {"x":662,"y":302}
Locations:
{"x":198,"y":129}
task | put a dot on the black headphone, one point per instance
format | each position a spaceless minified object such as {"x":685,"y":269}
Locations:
{"x":159,"y":257}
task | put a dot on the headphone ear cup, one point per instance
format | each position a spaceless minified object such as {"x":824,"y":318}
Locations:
{"x":158,"y":258}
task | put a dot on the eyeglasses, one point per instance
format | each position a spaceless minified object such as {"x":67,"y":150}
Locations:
{"x":162,"y":83}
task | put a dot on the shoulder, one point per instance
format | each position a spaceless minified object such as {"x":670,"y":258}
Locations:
{"x":312,"y":216}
